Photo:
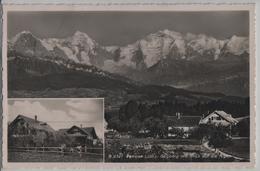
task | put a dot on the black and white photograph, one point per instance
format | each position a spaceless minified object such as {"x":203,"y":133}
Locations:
{"x":177,"y":85}
{"x":53,"y":130}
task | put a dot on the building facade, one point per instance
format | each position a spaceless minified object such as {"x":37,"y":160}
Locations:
{"x":81,"y":135}
{"x":25,"y":131}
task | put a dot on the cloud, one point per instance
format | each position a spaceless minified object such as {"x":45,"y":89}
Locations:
{"x":91,"y":106}
{"x":32,"y":108}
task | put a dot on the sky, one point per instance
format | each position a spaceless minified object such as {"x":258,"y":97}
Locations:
{"x":122,"y":28}
{"x":61,"y":113}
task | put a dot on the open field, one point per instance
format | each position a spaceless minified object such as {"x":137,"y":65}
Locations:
{"x":159,"y":150}
{"x":52,"y":157}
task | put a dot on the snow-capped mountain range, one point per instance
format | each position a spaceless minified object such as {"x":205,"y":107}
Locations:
{"x":143,"y":53}
{"x":171,"y":44}
{"x":165,"y":57}
{"x":79,"y":48}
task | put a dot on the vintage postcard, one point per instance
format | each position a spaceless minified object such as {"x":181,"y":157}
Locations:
{"x":129,"y":86}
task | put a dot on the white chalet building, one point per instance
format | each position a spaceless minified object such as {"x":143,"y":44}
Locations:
{"x":219,"y":118}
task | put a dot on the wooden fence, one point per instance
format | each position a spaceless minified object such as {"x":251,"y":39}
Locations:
{"x":60,"y":150}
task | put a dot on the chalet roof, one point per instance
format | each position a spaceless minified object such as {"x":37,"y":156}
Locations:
{"x":184,"y":121}
{"x":86,"y":130}
{"x":242,"y":118}
{"x":90,"y":130}
{"x":39,"y":125}
{"x":224,"y":115}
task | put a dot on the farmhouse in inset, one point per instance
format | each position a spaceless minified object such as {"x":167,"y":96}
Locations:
{"x":219,"y":118}
{"x":81,"y":136}
{"x":25,"y":131}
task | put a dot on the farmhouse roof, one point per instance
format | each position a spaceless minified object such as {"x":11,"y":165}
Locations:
{"x":242,"y":118}
{"x":86,"y":130}
{"x":224,"y":115}
{"x":184,"y":121}
{"x":36,"y":124}
{"x":90,"y":130}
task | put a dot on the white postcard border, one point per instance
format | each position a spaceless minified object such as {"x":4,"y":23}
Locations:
{"x":132,"y":8}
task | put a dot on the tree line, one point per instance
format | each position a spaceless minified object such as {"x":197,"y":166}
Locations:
{"x":134,"y":116}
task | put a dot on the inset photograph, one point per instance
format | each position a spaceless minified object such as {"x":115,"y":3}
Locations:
{"x":55,"y":130}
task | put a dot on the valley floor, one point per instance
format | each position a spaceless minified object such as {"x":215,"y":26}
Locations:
{"x":160,"y":150}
